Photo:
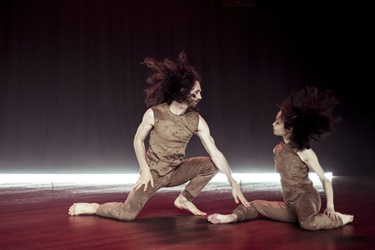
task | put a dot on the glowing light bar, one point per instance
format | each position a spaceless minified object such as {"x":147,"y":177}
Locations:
{"x":130,"y":178}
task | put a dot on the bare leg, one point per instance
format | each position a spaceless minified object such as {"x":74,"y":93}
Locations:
{"x":221,"y":218}
{"x":83,"y":208}
{"x":346,"y":218}
{"x":182,"y":203}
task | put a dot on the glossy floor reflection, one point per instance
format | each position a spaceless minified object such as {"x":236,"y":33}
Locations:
{"x":34,"y":216}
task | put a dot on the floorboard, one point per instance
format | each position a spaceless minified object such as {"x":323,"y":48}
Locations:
{"x":35,"y":216}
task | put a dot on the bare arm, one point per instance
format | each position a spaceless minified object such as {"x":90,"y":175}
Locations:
{"x":219,"y":160}
{"x":310,"y":158}
{"x":140,"y":149}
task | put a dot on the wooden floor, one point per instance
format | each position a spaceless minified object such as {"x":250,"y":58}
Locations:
{"x":35,"y":217}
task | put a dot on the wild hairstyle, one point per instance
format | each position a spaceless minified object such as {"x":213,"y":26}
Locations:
{"x":308,"y":113}
{"x":170,"y":81}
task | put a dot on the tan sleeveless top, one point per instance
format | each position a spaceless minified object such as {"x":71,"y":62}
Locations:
{"x":169,"y":137}
{"x":293,"y":173}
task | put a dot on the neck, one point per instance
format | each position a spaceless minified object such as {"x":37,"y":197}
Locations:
{"x":178,"y":108}
{"x":286,"y":140}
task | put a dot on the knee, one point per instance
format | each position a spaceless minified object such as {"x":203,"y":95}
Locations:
{"x":254,"y":206}
{"x":259,"y":204}
{"x":308,"y":224}
{"x":256,"y":202}
{"x":126,"y":217}
{"x":246,"y":213}
{"x":128,"y":211}
{"x":214,"y":170}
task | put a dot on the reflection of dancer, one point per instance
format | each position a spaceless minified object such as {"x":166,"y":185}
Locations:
{"x":170,"y":122}
{"x":305,"y":115}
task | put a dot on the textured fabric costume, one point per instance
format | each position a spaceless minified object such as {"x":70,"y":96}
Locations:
{"x":167,"y":143}
{"x":301,"y":200}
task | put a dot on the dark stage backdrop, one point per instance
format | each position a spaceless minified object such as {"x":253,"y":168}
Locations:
{"x":72,"y":81}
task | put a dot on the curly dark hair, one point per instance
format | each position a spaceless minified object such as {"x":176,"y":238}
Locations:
{"x":309,"y":113}
{"x":170,"y":81}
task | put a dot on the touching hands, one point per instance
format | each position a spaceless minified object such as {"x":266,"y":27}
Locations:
{"x":237,"y":194}
{"x":144,"y":178}
{"x":331,"y":213}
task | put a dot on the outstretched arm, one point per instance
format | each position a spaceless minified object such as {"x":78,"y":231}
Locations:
{"x":310,"y":158}
{"x":140,"y":150}
{"x":219,"y":160}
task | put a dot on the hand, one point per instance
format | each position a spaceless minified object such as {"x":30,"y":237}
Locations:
{"x":330,"y":212}
{"x":144,"y":178}
{"x":237,"y":194}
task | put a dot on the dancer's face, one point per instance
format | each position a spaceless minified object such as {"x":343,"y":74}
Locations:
{"x":278,"y":126}
{"x":195,"y":95}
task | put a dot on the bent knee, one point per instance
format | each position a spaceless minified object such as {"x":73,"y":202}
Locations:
{"x":309,"y":225}
{"x":215,"y":170}
{"x":255,"y":202}
{"x":126,"y":217}
{"x":128,"y":214}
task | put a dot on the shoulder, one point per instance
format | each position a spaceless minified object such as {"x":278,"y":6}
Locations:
{"x":202,"y":125}
{"x":148,"y":116}
{"x":192,"y":113}
{"x":192,"y":119}
{"x":278,"y":146}
{"x":160,"y":110}
{"x":306,"y":154}
{"x":159,"y":107}
{"x":149,"y":112}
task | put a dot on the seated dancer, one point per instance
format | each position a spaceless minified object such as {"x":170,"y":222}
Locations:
{"x":305,"y":115}
{"x":170,"y":121}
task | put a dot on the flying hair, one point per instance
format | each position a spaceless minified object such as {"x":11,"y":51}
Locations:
{"x":309,"y":113}
{"x":170,"y":80}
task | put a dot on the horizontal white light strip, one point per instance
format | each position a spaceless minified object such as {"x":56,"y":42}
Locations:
{"x":130,"y":178}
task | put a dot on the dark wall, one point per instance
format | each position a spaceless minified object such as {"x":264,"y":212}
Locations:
{"x":72,"y":82}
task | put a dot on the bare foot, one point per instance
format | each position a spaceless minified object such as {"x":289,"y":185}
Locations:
{"x":221,"y":218}
{"x":346,"y":218}
{"x":83,"y":208}
{"x":182,"y":203}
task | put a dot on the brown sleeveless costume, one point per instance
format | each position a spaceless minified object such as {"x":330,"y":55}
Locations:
{"x":301,"y":200}
{"x":165,"y":157}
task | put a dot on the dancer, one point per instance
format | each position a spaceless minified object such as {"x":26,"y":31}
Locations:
{"x":306,"y":115}
{"x":171,"y":120}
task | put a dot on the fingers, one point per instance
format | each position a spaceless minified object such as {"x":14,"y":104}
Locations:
{"x":138,"y":185}
{"x":243,"y":201}
{"x":328,"y":213}
{"x":331,"y":214}
{"x":246,"y":203}
{"x":335,"y":216}
{"x":238,"y":196}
